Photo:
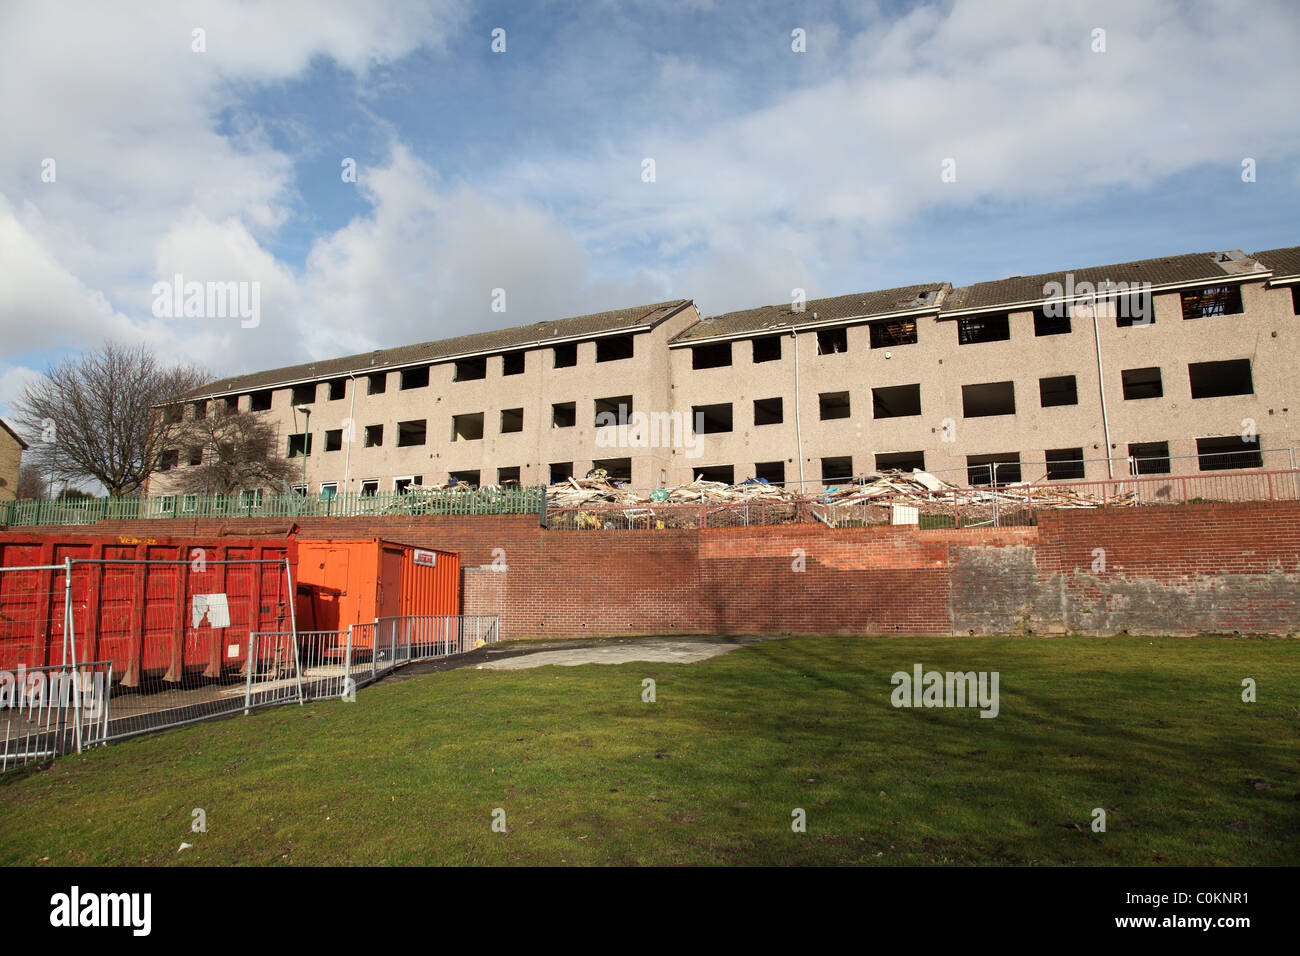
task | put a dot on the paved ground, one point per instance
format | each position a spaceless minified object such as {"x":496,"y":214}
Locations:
{"x":519,"y":655}
{"x":621,"y":650}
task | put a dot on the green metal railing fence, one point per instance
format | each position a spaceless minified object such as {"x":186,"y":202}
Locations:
{"x":418,"y":501}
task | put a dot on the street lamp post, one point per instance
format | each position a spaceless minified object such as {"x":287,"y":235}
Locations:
{"x":306,"y":443}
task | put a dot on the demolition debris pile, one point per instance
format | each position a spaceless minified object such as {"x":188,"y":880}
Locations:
{"x":866,"y":499}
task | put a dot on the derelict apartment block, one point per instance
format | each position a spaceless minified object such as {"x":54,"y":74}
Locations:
{"x":1177,"y":365}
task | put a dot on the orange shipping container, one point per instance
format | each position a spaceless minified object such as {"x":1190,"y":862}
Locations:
{"x":346,"y":582}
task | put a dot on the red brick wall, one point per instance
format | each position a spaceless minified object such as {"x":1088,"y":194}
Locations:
{"x":1177,"y":570}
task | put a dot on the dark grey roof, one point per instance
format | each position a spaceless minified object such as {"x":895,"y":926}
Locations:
{"x":1283,"y":262}
{"x":501,"y":340}
{"x":913,"y":298}
{"x":1172,"y":270}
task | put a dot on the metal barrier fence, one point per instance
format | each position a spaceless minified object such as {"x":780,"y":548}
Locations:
{"x":54,"y":710}
{"x":327,"y":664}
{"x":998,"y":506}
{"x":414,"y":501}
{"x":172,"y":642}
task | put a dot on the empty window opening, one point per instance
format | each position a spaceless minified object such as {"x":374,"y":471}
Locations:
{"x":173,"y":414}
{"x":1058,"y":390}
{"x":767,"y":349}
{"x":768,"y":411}
{"x":415,"y":377}
{"x":982,"y":469}
{"x":512,"y":363}
{"x":990,"y":398}
{"x":260,"y":401}
{"x":304,"y":394}
{"x":1216,"y":379}
{"x":561,"y":471}
{"x":901,"y":461}
{"x":616,"y":469}
{"x":1137,"y":310}
{"x":299,"y":445}
{"x":232,"y":403}
{"x":711,"y":356}
{"x":470,"y":369}
{"x":1295,"y":299}
{"x":1140,"y":383}
{"x":1064,"y":464}
{"x":1221,"y":454}
{"x":564,"y":415}
{"x":468,"y":427}
{"x":200,"y":410}
{"x":723,"y":473}
{"x":833,"y":405}
{"x":406,"y":483}
{"x":773,"y":472}
{"x":839,"y":469}
{"x":566,"y":355}
{"x":614,"y":349}
{"x":508,"y":476}
{"x":469,"y":478}
{"x":832,"y":341}
{"x":369,"y":487}
{"x":195,"y":456}
{"x":338,"y":388}
{"x":896,"y":401}
{"x":1216,"y":300}
{"x":974,"y":329}
{"x":1045,"y":324}
{"x":410,"y":433}
{"x":374,"y":437}
{"x":1149,"y":457}
{"x":613,"y":411}
{"x":891,"y":333}
{"x":711,"y":419}
{"x":377,"y":383}
{"x":334,"y":439}
{"x":512,"y":420}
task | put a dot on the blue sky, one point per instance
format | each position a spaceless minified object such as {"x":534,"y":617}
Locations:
{"x":522,"y":170}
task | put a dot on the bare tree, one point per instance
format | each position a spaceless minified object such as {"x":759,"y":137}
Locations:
{"x":98,"y":415}
{"x":237,"y":452}
{"x":31,"y":483}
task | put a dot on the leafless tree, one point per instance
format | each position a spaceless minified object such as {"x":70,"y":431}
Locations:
{"x":31,"y":483}
{"x":97,"y":415}
{"x":238,"y":451}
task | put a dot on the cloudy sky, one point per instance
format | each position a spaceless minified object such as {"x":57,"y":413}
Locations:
{"x":523,"y":170}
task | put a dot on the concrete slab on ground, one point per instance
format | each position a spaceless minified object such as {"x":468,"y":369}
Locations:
{"x":677,"y":650}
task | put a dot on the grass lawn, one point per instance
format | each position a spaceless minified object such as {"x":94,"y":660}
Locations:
{"x":1152,"y":730}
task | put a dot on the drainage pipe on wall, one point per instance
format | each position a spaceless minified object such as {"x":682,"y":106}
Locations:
{"x":350,"y":433}
{"x":798,"y":427}
{"x":1101,"y":385}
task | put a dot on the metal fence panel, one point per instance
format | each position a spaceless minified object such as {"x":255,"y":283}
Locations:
{"x":49,"y":711}
{"x":413,"y":501}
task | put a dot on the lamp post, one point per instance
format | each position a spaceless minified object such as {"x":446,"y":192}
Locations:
{"x":306,"y":441}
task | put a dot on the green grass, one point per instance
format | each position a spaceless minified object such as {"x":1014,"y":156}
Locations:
{"x":1152,"y":730}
